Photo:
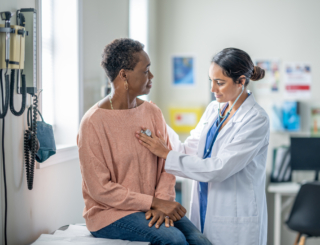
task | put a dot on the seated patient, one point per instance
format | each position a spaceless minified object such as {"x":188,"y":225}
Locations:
{"x":124,"y":184}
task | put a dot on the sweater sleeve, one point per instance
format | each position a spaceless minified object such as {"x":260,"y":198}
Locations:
{"x":97,"y":177}
{"x":165,"y":188}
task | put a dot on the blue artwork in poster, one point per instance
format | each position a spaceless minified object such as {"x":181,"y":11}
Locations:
{"x":291,"y":117}
{"x":183,"y":71}
{"x":286,"y":117}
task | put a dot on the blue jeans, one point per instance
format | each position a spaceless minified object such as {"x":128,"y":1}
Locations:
{"x":134,"y":227}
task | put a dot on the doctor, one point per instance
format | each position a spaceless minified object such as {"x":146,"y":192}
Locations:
{"x":226,"y":156}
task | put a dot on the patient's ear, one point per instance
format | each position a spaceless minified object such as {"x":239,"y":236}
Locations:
{"x":123,"y":75}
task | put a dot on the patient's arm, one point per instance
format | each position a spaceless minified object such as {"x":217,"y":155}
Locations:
{"x":110,"y":194}
{"x":97,"y":177}
{"x":165,"y":188}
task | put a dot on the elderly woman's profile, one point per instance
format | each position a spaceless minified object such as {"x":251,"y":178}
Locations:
{"x":126,"y":191}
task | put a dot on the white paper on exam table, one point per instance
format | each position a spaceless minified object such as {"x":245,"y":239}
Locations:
{"x":45,"y":239}
{"x":76,"y":234}
{"x":74,"y":230}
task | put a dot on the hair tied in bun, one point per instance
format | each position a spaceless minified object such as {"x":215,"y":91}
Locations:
{"x":257,"y":74}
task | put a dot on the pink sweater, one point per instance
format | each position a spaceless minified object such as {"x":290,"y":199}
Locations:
{"x":120,"y":176}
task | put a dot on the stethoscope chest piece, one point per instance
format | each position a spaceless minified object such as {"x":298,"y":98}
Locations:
{"x":146,"y":132}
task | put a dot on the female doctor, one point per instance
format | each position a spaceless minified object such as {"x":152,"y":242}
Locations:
{"x":226,"y":156}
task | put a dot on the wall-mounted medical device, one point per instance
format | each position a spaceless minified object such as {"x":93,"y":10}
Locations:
{"x":18,"y":44}
{"x":27,"y":18}
{"x":18,"y":53}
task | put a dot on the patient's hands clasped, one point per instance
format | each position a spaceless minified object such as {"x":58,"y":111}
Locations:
{"x":158,"y":218}
{"x":164,"y":211}
{"x":174,"y":210}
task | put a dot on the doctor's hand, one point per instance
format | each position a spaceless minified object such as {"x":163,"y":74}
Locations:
{"x":174,"y":210}
{"x":158,"y":218}
{"x":156,"y":143}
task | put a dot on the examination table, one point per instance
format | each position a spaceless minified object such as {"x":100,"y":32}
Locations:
{"x":78,"y":234}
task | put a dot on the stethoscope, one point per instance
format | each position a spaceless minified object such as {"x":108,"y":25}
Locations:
{"x":219,"y":118}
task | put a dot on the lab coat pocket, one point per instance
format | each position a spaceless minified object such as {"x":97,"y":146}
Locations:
{"x":233,"y":230}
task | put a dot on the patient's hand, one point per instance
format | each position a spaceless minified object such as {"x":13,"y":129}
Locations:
{"x":158,"y":217}
{"x":173,"y":209}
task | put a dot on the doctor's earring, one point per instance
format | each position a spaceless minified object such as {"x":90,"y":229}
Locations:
{"x":126,"y":85}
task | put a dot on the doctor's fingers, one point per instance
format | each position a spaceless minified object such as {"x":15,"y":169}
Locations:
{"x":144,"y":138}
{"x":145,"y":145}
{"x":160,"y":137}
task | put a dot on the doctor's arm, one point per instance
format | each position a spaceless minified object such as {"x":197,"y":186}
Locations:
{"x":230,"y":159}
{"x":190,"y":145}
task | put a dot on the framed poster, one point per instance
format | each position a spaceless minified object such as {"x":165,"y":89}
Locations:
{"x":183,"y":120}
{"x":297,"y":78}
{"x":270,"y":82}
{"x":183,"y":70}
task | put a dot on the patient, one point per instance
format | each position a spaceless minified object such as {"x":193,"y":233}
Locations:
{"x":124,"y":185}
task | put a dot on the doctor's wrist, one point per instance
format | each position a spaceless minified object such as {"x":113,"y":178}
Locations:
{"x":165,"y":155}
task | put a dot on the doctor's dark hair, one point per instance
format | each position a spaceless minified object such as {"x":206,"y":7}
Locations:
{"x":120,"y":54}
{"x":235,"y":63}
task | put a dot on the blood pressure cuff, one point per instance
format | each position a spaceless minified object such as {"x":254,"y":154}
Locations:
{"x":46,"y":140}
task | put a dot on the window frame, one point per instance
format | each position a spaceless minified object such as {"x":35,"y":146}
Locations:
{"x":70,"y":152}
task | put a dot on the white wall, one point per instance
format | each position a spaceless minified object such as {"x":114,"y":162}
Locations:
{"x":103,"y":21}
{"x":265,"y":29}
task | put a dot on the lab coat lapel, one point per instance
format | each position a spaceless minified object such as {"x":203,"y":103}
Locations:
{"x":244,"y":108}
{"x":242,"y":111}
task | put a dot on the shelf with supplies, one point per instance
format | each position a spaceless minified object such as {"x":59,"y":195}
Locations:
{"x":293,"y":133}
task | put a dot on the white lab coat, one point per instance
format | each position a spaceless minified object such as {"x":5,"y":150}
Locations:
{"x":237,"y":209}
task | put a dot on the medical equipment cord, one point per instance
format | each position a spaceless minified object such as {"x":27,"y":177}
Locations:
{"x":5,"y":103}
{"x":3,"y":156}
{"x":24,"y":94}
{"x":30,"y":142}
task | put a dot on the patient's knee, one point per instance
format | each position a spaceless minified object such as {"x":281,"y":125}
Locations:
{"x":175,"y":238}
{"x":181,"y":240}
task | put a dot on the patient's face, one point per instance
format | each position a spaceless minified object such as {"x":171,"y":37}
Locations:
{"x":140,"y":78}
{"x":222,"y":86}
